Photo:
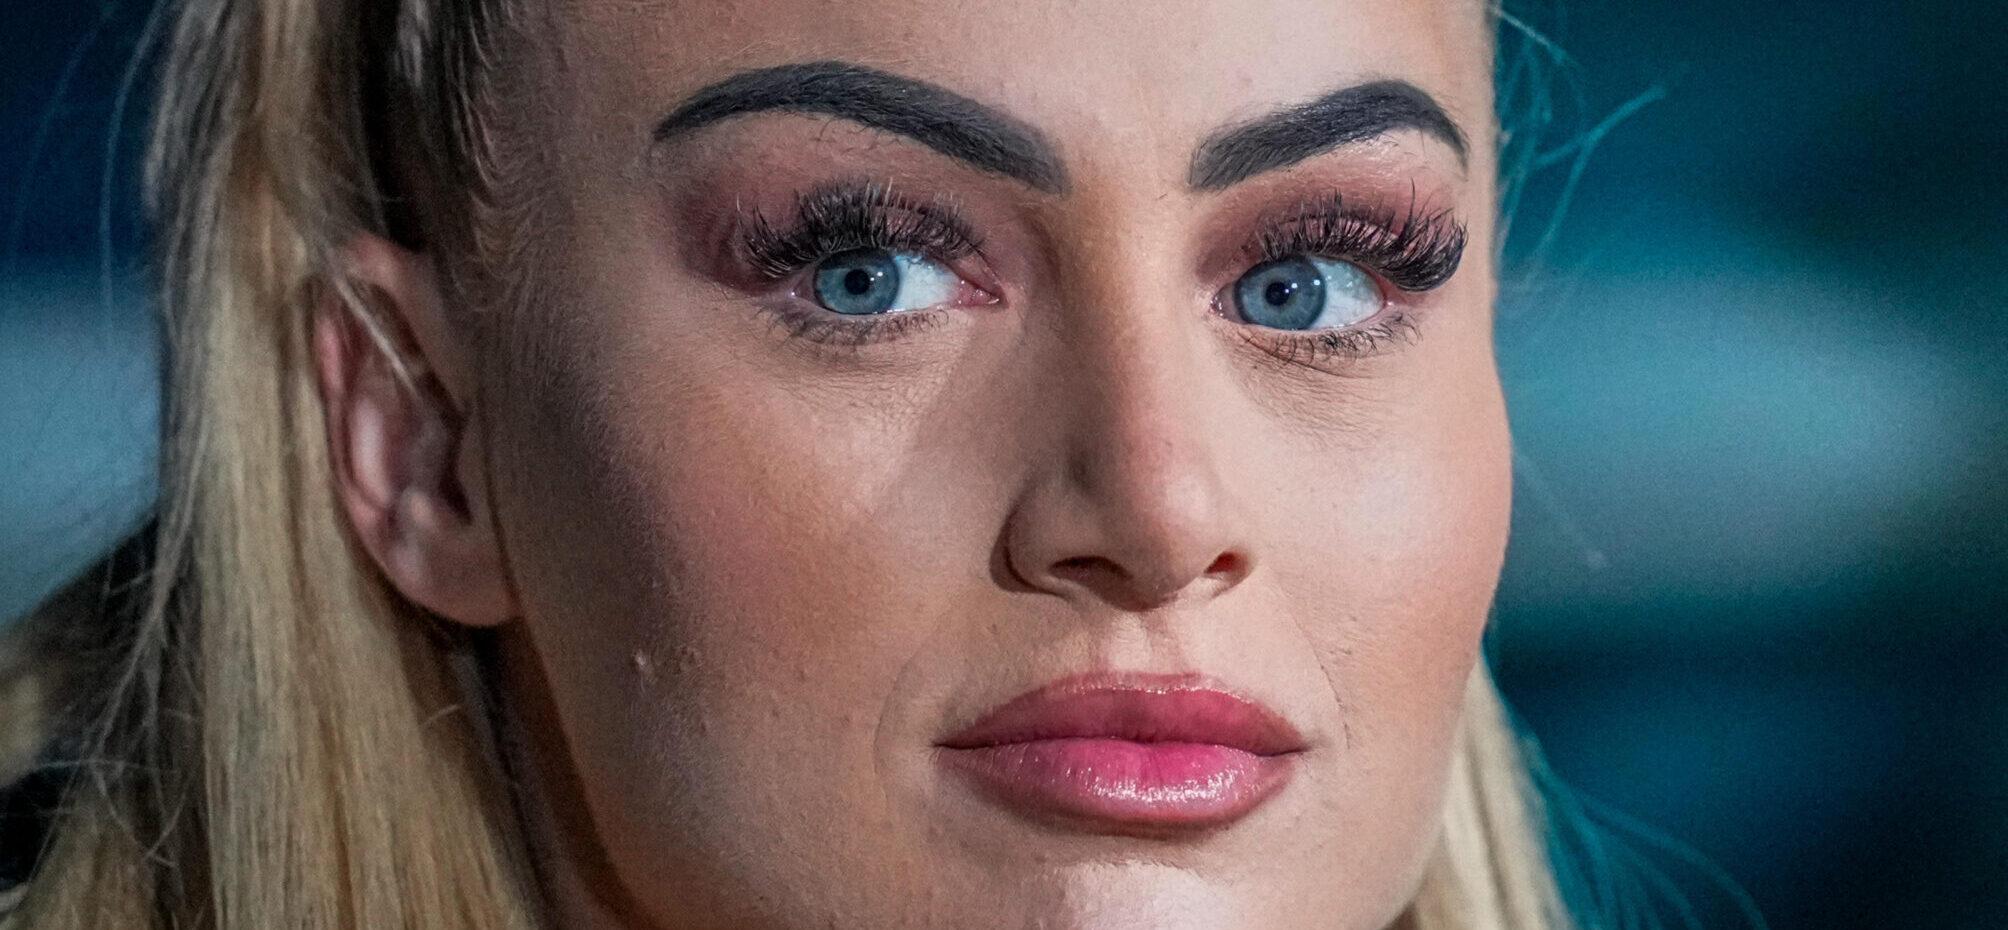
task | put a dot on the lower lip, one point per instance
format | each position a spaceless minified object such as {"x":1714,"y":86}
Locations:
{"x":1124,"y":782}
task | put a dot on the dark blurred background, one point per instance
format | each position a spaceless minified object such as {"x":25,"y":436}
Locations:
{"x":1759,"y":380}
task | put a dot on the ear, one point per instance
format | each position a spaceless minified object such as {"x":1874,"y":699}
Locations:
{"x":406,"y":452}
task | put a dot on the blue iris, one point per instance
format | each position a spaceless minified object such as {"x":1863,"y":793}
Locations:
{"x":1287,"y":293}
{"x":858,"y":282}
{"x":1301,"y":292}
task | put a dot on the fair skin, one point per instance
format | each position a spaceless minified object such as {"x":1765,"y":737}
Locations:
{"x":747,"y":574}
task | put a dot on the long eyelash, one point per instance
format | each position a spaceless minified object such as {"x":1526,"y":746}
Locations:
{"x":1413,"y":251}
{"x":840,"y":217}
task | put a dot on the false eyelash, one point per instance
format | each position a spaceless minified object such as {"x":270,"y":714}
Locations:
{"x":840,"y":217}
{"x":1414,"y":252}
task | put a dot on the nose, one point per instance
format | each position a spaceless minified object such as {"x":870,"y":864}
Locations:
{"x":1131,"y":505}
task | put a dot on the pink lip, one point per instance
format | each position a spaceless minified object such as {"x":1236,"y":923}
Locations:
{"x":1137,"y":750}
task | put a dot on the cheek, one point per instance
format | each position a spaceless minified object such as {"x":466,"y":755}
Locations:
{"x":1391,"y":577}
{"x":1416,"y":584}
{"x":1432,"y":537}
{"x":725,"y":582}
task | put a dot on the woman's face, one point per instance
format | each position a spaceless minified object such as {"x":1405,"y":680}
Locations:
{"x":883,"y":361}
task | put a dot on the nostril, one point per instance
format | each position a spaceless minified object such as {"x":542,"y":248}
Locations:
{"x":1084,"y":566}
{"x":1228,"y":564}
{"x":1115,"y":581}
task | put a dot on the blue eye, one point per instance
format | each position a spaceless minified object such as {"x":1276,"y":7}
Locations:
{"x":862,"y":282}
{"x":1301,"y":292}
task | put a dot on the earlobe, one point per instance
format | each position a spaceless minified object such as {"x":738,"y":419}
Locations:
{"x":405,"y":455}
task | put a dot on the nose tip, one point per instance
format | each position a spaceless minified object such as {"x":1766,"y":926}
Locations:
{"x":1135,"y":532}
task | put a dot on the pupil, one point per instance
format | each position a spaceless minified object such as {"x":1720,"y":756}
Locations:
{"x":858,"y":281}
{"x":1284,"y":293}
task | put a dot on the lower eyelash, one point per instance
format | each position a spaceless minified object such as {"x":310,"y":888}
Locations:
{"x":1326,"y":347}
{"x":832,"y":329}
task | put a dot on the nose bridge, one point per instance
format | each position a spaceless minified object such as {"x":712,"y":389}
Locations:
{"x":1127,"y":329}
{"x":1134,"y":504}
{"x":1138,"y":416}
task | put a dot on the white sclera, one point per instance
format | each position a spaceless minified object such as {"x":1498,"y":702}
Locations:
{"x":923,"y":283}
{"x":1352,"y":296}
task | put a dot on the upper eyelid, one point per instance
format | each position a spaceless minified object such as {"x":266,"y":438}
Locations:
{"x":786,"y":246}
{"x":1413,"y":251}
{"x":1334,"y":208}
{"x":1416,"y":250}
{"x":869,"y":214}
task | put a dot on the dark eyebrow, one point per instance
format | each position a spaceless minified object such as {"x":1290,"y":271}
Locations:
{"x":938,"y":118}
{"x":1290,"y":135}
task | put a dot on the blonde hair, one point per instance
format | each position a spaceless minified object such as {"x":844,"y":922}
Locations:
{"x":285,"y":741}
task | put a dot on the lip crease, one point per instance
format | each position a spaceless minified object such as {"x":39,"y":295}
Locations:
{"x":1128,"y":751}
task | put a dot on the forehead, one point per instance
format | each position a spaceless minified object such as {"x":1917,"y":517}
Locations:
{"x":1096,"y":76}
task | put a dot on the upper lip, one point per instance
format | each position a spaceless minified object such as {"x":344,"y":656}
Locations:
{"x":1145,"y":708}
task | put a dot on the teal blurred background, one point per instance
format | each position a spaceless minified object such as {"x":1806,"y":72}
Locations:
{"x":1759,"y":381}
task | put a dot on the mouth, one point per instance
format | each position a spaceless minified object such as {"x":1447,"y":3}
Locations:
{"x":1136,"y":752}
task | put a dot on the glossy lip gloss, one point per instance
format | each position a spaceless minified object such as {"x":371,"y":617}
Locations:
{"x":1144,"y":751}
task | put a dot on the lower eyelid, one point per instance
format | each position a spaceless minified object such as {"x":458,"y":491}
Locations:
{"x":801,"y":320}
{"x":1330,"y":349}
{"x":1333,"y":349}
